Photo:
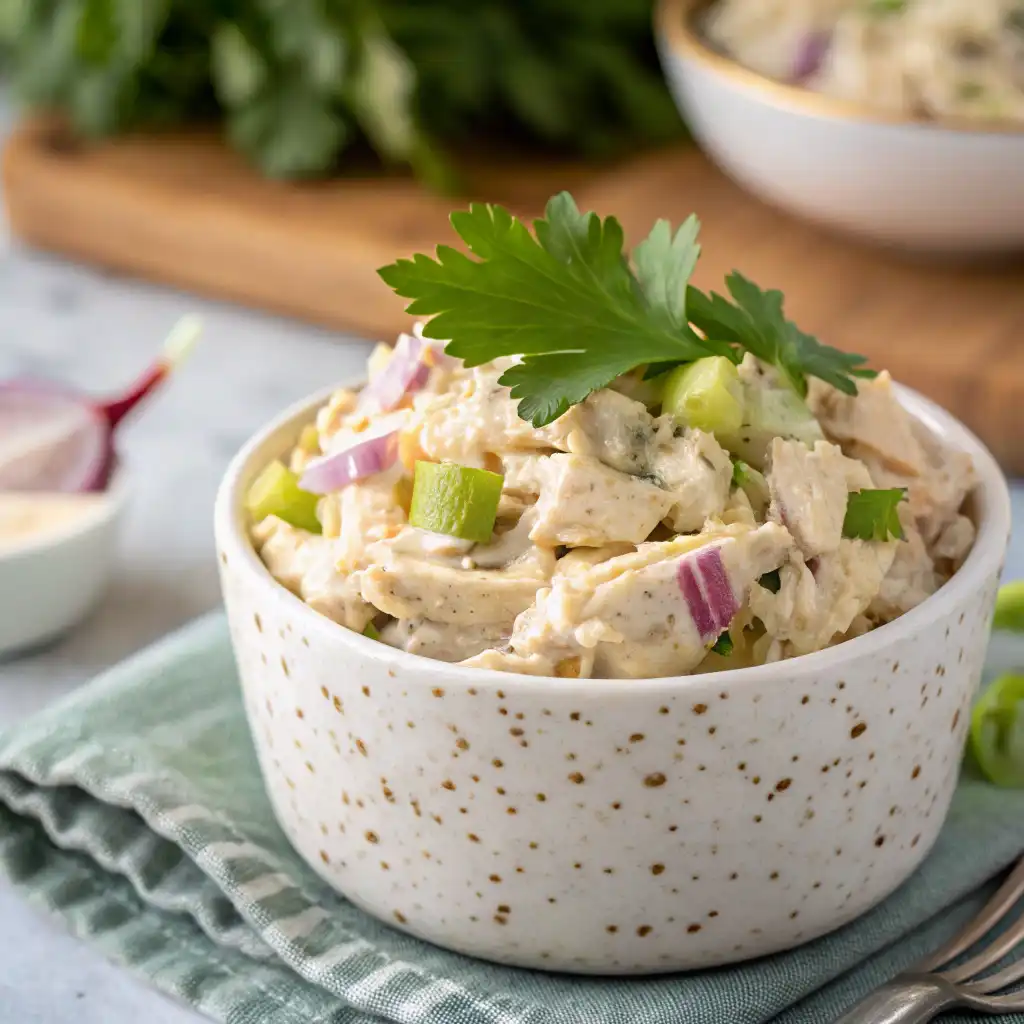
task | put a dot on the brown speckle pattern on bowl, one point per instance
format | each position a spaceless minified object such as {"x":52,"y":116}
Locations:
{"x":673,"y":801}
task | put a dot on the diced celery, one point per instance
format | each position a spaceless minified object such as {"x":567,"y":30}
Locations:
{"x":770,"y":411}
{"x":371,"y":631}
{"x":705,"y":394}
{"x":455,"y":500}
{"x":276,"y":492}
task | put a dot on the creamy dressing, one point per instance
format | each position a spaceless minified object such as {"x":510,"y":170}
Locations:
{"x":30,"y":518}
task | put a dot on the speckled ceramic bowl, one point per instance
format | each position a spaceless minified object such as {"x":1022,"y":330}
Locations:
{"x":601,"y":825}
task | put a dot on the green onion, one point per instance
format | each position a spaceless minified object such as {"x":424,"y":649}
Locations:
{"x":276,"y":492}
{"x":997,"y":732}
{"x":1010,"y":607}
{"x":723,"y":645}
{"x":455,"y":500}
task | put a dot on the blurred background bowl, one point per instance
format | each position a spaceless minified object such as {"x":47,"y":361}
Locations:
{"x":950,"y":187}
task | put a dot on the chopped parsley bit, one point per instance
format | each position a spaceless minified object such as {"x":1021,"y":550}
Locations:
{"x":723,"y":645}
{"x":886,"y":6}
{"x":568,"y":301}
{"x":872,"y":514}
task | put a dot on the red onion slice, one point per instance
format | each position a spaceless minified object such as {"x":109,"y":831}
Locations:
{"x":705,"y":587}
{"x":810,"y":55}
{"x":339,"y":469}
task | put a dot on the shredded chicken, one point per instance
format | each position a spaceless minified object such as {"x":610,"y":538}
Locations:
{"x":624,"y":543}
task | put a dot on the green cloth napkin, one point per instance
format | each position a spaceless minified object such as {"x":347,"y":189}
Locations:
{"x":134,"y":810}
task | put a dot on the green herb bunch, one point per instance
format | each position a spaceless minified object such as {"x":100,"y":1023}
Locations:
{"x":297,"y":82}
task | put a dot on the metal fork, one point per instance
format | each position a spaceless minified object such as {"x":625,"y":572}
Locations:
{"x":925,"y":991}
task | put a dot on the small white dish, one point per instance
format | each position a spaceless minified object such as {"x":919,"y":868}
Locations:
{"x":949,"y":187}
{"x":51,"y":577}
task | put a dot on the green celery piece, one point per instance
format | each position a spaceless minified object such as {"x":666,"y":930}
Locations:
{"x":276,"y":492}
{"x":997,"y":732}
{"x":1010,"y":607}
{"x":705,"y":394}
{"x":371,"y":632}
{"x":455,"y":500}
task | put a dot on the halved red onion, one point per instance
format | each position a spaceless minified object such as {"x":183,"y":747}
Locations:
{"x":810,"y":55}
{"x":336,"y":470}
{"x":706,"y":589}
{"x":55,"y":439}
{"x":50,"y":440}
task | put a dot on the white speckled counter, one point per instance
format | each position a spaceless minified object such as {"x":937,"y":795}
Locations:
{"x":97,"y":330}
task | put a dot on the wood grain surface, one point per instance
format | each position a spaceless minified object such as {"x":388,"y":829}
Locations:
{"x":184,"y":210}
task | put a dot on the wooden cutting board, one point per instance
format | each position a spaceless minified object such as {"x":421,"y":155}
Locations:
{"x":184,"y":210}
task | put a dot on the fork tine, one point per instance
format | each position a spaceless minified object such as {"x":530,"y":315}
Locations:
{"x":991,"y":954}
{"x":1008,"y":975}
{"x":992,"y":913}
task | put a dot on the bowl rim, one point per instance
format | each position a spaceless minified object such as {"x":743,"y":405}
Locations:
{"x":986,"y":557}
{"x":110,"y":501}
{"x":674,"y":22}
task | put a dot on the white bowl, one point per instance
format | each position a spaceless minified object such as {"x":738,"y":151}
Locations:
{"x":610,"y":826}
{"x":947,"y":187}
{"x":50,"y":582}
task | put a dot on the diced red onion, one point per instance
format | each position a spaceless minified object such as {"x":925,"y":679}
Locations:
{"x":407,"y":371}
{"x":339,"y":469}
{"x":716,"y":586}
{"x":708,"y":594}
{"x":810,"y":55}
{"x":700,"y":611}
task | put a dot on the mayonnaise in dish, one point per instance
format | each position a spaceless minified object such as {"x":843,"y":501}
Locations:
{"x":28,"y":519}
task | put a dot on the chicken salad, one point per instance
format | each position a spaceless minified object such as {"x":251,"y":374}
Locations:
{"x":925,"y":58}
{"x":719,"y":512}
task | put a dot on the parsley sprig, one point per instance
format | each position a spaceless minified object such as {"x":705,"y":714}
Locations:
{"x":873,"y":514}
{"x":567,"y":299}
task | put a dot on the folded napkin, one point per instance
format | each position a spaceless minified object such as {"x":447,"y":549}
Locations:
{"x":134,"y":810}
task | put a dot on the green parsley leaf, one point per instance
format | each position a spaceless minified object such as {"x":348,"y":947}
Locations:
{"x":565,"y":300}
{"x":755,"y":321}
{"x":723,"y":645}
{"x":872,"y":514}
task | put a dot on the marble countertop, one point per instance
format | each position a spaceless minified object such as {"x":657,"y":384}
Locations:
{"x":98,"y":330}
